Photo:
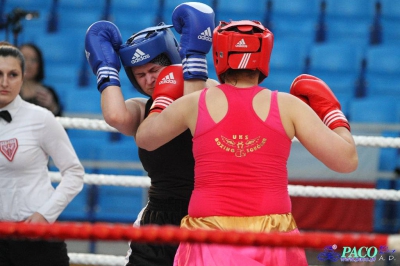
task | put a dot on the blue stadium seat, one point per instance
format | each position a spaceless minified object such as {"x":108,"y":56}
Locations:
{"x":342,"y":13}
{"x":397,"y":221}
{"x":61,"y":48}
{"x":295,"y":10}
{"x":61,"y":73}
{"x":378,"y":110}
{"x":118,"y":204}
{"x":97,"y":138}
{"x":335,"y":57}
{"x":123,"y":19}
{"x":82,"y":4}
{"x":288,"y":30}
{"x":390,"y":21}
{"x":288,"y":55}
{"x":390,"y":10}
{"x":28,"y":5}
{"x":287,"y":62}
{"x":381,"y":85}
{"x":337,"y":63}
{"x":121,"y":156}
{"x":279,"y":80}
{"x":388,"y":157}
{"x":383,"y":59}
{"x":87,"y":143}
{"x":78,"y":20}
{"x":383,"y":70}
{"x":386,"y":213}
{"x":295,"y":20}
{"x":227,"y":10}
{"x":126,"y":151}
{"x":374,"y":110}
{"x":133,"y":16}
{"x":169,"y":6}
{"x":87,"y":153}
{"x":390,"y":32}
{"x":83,"y":101}
{"x":338,"y":30}
{"x":350,"y":10}
{"x":135,"y":7}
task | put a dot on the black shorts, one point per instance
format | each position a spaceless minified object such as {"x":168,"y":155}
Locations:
{"x":22,"y":252}
{"x":160,"y":212}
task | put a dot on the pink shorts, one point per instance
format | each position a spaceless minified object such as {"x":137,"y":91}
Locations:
{"x":199,"y":254}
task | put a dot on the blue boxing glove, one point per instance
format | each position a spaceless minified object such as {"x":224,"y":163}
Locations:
{"x":102,"y":42}
{"x":195,"y":22}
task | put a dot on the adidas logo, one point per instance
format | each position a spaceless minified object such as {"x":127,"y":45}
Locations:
{"x":139,"y":56}
{"x":241,"y":43}
{"x":87,"y":54}
{"x":168,"y":79}
{"x":205,"y":35}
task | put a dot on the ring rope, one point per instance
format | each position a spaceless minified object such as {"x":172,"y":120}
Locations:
{"x":101,"y":125}
{"x":96,"y":259}
{"x":294,"y":190}
{"x":114,"y":180}
{"x":175,"y":235}
{"x":85,"y":123}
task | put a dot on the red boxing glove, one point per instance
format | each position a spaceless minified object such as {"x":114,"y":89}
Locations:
{"x":169,"y":87}
{"x":317,"y":94}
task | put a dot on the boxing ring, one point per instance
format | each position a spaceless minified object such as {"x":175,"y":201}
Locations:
{"x":171,"y":234}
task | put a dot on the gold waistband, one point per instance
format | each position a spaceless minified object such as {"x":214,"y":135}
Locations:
{"x":266,"y":223}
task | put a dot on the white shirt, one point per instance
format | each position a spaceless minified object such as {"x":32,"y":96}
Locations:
{"x":26,"y":143}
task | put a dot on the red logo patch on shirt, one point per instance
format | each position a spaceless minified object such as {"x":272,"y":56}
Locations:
{"x":9,"y":148}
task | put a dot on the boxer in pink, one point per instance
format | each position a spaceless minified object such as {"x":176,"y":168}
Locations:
{"x":242,"y":135}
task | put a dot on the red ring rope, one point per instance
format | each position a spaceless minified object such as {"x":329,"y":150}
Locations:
{"x":173,"y":234}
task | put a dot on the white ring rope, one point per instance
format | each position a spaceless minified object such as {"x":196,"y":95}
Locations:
{"x":143,"y":181}
{"x":344,"y":193}
{"x":96,"y":259}
{"x":101,"y":125}
{"x":114,"y":180}
{"x":294,"y":190}
{"x":85,"y":123}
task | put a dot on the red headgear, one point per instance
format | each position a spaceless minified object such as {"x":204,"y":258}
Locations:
{"x":244,"y":44}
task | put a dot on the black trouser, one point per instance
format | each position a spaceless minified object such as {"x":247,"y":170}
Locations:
{"x":22,"y":252}
{"x":160,"y":212}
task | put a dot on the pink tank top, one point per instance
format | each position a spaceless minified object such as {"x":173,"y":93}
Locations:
{"x":240,"y":167}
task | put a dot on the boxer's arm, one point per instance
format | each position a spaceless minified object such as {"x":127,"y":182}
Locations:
{"x":125,"y":116}
{"x":195,"y":23}
{"x":317,"y":94}
{"x":160,"y":128}
{"x":192,"y":85}
{"x":102,"y":42}
{"x":334,"y":148}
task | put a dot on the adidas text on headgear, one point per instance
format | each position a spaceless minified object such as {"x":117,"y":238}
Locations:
{"x":244,"y":44}
{"x":143,"y":47}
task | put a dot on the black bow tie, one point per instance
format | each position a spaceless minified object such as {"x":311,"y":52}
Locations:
{"x":6,"y":116}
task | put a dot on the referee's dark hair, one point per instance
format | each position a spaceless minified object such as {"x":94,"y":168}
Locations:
{"x":7,"y":49}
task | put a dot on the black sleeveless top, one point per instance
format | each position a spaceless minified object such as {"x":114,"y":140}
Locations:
{"x":170,"y":167}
